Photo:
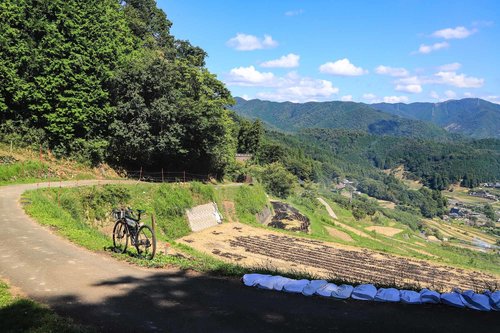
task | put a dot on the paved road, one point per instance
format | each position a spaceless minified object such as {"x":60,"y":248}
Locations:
{"x":116,"y":297}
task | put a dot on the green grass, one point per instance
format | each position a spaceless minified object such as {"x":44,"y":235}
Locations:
{"x":31,"y":171}
{"x":75,"y":216}
{"x":24,"y":315}
{"x":79,"y":213}
{"x":248,"y":199}
{"x":444,"y":254}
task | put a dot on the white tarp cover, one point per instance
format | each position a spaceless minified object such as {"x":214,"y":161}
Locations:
{"x":295,"y":286}
{"x":364,"y":292}
{"x":475,"y":301}
{"x":387,"y":295}
{"x":343,"y":291}
{"x":409,"y":297}
{"x":494,"y":299}
{"x":327,"y":289}
{"x":429,"y":296}
{"x":480,"y":302}
{"x":273,"y":283}
{"x":251,"y":280}
{"x":453,"y":299}
{"x":313,"y":286}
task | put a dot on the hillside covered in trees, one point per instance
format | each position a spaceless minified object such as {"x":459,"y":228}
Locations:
{"x":473,"y":117}
{"x":106,"y":81}
{"x":468,"y":117}
{"x":289,"y":116}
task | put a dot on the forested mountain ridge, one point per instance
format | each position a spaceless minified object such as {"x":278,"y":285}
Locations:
{"x":473,"y":117}
{"x":437,"y":164}
{"x":289,"y":116}
{"x":470,"y":117}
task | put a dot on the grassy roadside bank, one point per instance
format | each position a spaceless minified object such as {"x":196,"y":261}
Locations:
{"x":18,"y":314}
{"x":24,"y":166}
{"x":82,"y":216}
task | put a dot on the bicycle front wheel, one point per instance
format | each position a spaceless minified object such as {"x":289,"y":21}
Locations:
{"x":120,"y":236}
{"x":146,"y":242}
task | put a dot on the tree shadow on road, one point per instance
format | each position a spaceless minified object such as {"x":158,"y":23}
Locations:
{"x":183,"y":301}
{"x":23,"y":315}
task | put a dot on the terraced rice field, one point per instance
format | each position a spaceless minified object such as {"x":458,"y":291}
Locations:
{"x":257,"y":247}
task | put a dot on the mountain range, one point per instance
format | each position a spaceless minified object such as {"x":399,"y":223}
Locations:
{"x":472,"y":117}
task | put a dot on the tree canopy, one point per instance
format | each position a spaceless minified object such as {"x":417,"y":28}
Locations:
{"x":106,"y":79}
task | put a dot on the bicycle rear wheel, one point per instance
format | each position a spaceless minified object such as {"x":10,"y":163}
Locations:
{"x":146,"y":242}
{"x":120,"y":236}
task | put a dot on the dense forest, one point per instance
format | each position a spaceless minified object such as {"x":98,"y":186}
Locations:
{"x":323,"y":161}
{"x":472,"y":117}
{"x":291,"y":117}
{"x":104,"y":80}
{"x":437,"y":164}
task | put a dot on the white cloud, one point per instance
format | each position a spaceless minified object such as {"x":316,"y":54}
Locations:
{"x":342,"y":67}
{"x":391,"y":71}
{"x":454,"y":33}
{"x":294,"y":12}
{"x":450,"y":67}
{"x":458,"y":80}
{"x":468,"y":94}
{"x":434,"y":95}
{"x":450,"y":94}
{"x":249,"y":76}
{"x":492,"y":99}
{"x":245,"y":97}
{"x":244,"y":42}
{"x":369,"y":96}
{"x":411,"y":80}
{"x":396,"y":99}
{"x":425,"y":49}
{"x":411,"y":88}
{"x":346,"y":98}
{"x":289,"y":61}
{"x":295,"y":88}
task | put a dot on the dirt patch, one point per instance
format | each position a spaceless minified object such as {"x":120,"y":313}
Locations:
{"x":387,"y":204}
{"x":433,"y":239}
{"x":339,"y":234}
{"x":353,"y":230}
{"x":229,"y":211}
{"x":260,"y":248}
{"x":386,"y":231}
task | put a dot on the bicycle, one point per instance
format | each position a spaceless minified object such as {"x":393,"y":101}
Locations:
{"x":141,"y":236}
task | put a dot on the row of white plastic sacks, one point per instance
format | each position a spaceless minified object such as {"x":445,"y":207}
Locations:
{"x":368,"y":292}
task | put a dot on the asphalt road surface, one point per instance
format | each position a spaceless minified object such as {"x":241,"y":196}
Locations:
{"x":114,"y":296}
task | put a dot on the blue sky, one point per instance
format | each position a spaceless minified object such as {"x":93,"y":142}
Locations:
{"x":365,"y":51}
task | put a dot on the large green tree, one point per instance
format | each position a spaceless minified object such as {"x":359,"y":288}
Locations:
{"x":107,"y":78}
{"x":170,"y":110}
{"x":57,"y":58}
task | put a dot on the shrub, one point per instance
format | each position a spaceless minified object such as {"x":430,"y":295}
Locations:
{"x":278,"y":180}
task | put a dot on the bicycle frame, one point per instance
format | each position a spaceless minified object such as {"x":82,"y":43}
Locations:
{"x":133,"y":229}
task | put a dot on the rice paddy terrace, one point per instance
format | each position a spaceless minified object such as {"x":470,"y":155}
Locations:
{"x":258,"y":247}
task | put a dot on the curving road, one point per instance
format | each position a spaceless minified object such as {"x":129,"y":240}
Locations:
{"x":117,"y":297}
